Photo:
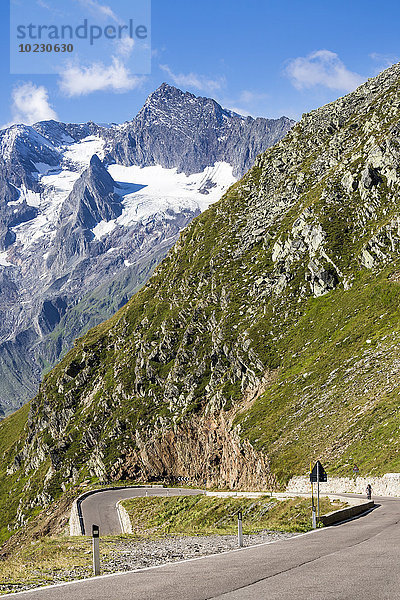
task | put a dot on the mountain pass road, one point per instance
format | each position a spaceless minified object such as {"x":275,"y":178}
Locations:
{"x":356,"y":560}
{"x":100,"y":508}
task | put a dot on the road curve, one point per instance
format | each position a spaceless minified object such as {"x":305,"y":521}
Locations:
{"x":351,"y":561}
{"x":100,"y":508}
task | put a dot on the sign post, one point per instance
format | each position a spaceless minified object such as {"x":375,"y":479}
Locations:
{"x":314,"y":518}
{"x":317,"y":474}
{"x":96,"y":549}
{"x":240,"y":530}
{"x":318,"y":491}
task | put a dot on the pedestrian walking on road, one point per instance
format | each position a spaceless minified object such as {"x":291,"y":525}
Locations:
{"x":368,"y":490}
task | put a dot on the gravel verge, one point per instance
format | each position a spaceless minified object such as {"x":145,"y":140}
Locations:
{"x":138,"y":555}
{"x":126,"y":555}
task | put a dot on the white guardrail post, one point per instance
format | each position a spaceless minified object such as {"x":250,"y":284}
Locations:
{"x":240,"y":530}
{"x":96,"y":549}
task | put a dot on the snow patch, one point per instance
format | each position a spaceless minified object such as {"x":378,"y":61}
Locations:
{"x":19,"y":201}
{"x":56,"y":186}
{"x":30,"y":197}
{"x":164,"y":192}
{"x":104,"y":228}
{"x":4,"y":262}
{"x":80,"y":153}
{"x":146,"y":192}
{"x":43,"y":168}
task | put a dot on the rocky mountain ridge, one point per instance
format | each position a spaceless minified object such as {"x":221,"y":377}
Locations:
{"x":268,"y":337}
{"x":88,"y":211}
{"x":194,"y":133}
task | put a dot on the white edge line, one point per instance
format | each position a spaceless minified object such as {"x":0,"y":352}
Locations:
{"x":179,"y":562}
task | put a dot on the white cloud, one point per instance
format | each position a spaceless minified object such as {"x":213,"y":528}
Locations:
{"x":193,"y":80}
{"x":55,"y":12}
{"x":157,"y":52}
{"x":322,"y":67}
{"x":79,"y":80}
{"x":383,"y":61}
{"x":30,"y":104}
{"x":249,"y":97}
{"x":124,"y":46}
{"x":100,"y":9}
{"x":387,"y":59}
{"x":247,"y":103}
{"x":237,"y":109}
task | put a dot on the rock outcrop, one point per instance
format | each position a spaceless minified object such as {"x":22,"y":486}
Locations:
{"x":178,"y":129}
{"x":268,"y":336}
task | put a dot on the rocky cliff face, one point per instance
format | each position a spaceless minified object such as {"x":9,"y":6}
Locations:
{"x":267,"y":337}
{"x":177,"y":129}
{"x":86,"y":212}
{"x":91,"y":201}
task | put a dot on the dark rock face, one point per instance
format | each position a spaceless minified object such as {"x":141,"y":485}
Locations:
{"x":178,"y":129}
{"x":92,"y":199}
{"x":51,"y":314}
{"x":12,"y":212}
{"x":22,"y":151}
{"x":59,"y":133}
{"x":52,"y":280}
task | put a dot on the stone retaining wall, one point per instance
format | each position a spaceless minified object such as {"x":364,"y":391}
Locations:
{"x":74,"y":520}
{"x":337,"y":516}
{"x":237,"y":494}
{"x":124,"y":518}
{"x":388,"y":485}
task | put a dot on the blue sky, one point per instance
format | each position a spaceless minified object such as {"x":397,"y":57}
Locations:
{"x":256,"y":57}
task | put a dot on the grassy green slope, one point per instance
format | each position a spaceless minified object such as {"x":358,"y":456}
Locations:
{"x":94,"y":308}
{"x":199,"y":515}
{"x":338,"y":390}
{"x":278,"y":308}
{"x":16,"y":485}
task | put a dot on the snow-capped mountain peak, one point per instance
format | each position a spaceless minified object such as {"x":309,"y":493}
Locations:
{"x":85,"y":207}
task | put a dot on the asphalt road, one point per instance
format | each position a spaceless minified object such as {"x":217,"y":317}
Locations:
{"x":357,"y":560}
{"x":100,"y":508}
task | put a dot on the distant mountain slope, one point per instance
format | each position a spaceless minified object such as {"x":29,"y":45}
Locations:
{"x":178,"y":129}
{"x":268,"y":337}
{"x":85,"y":208}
